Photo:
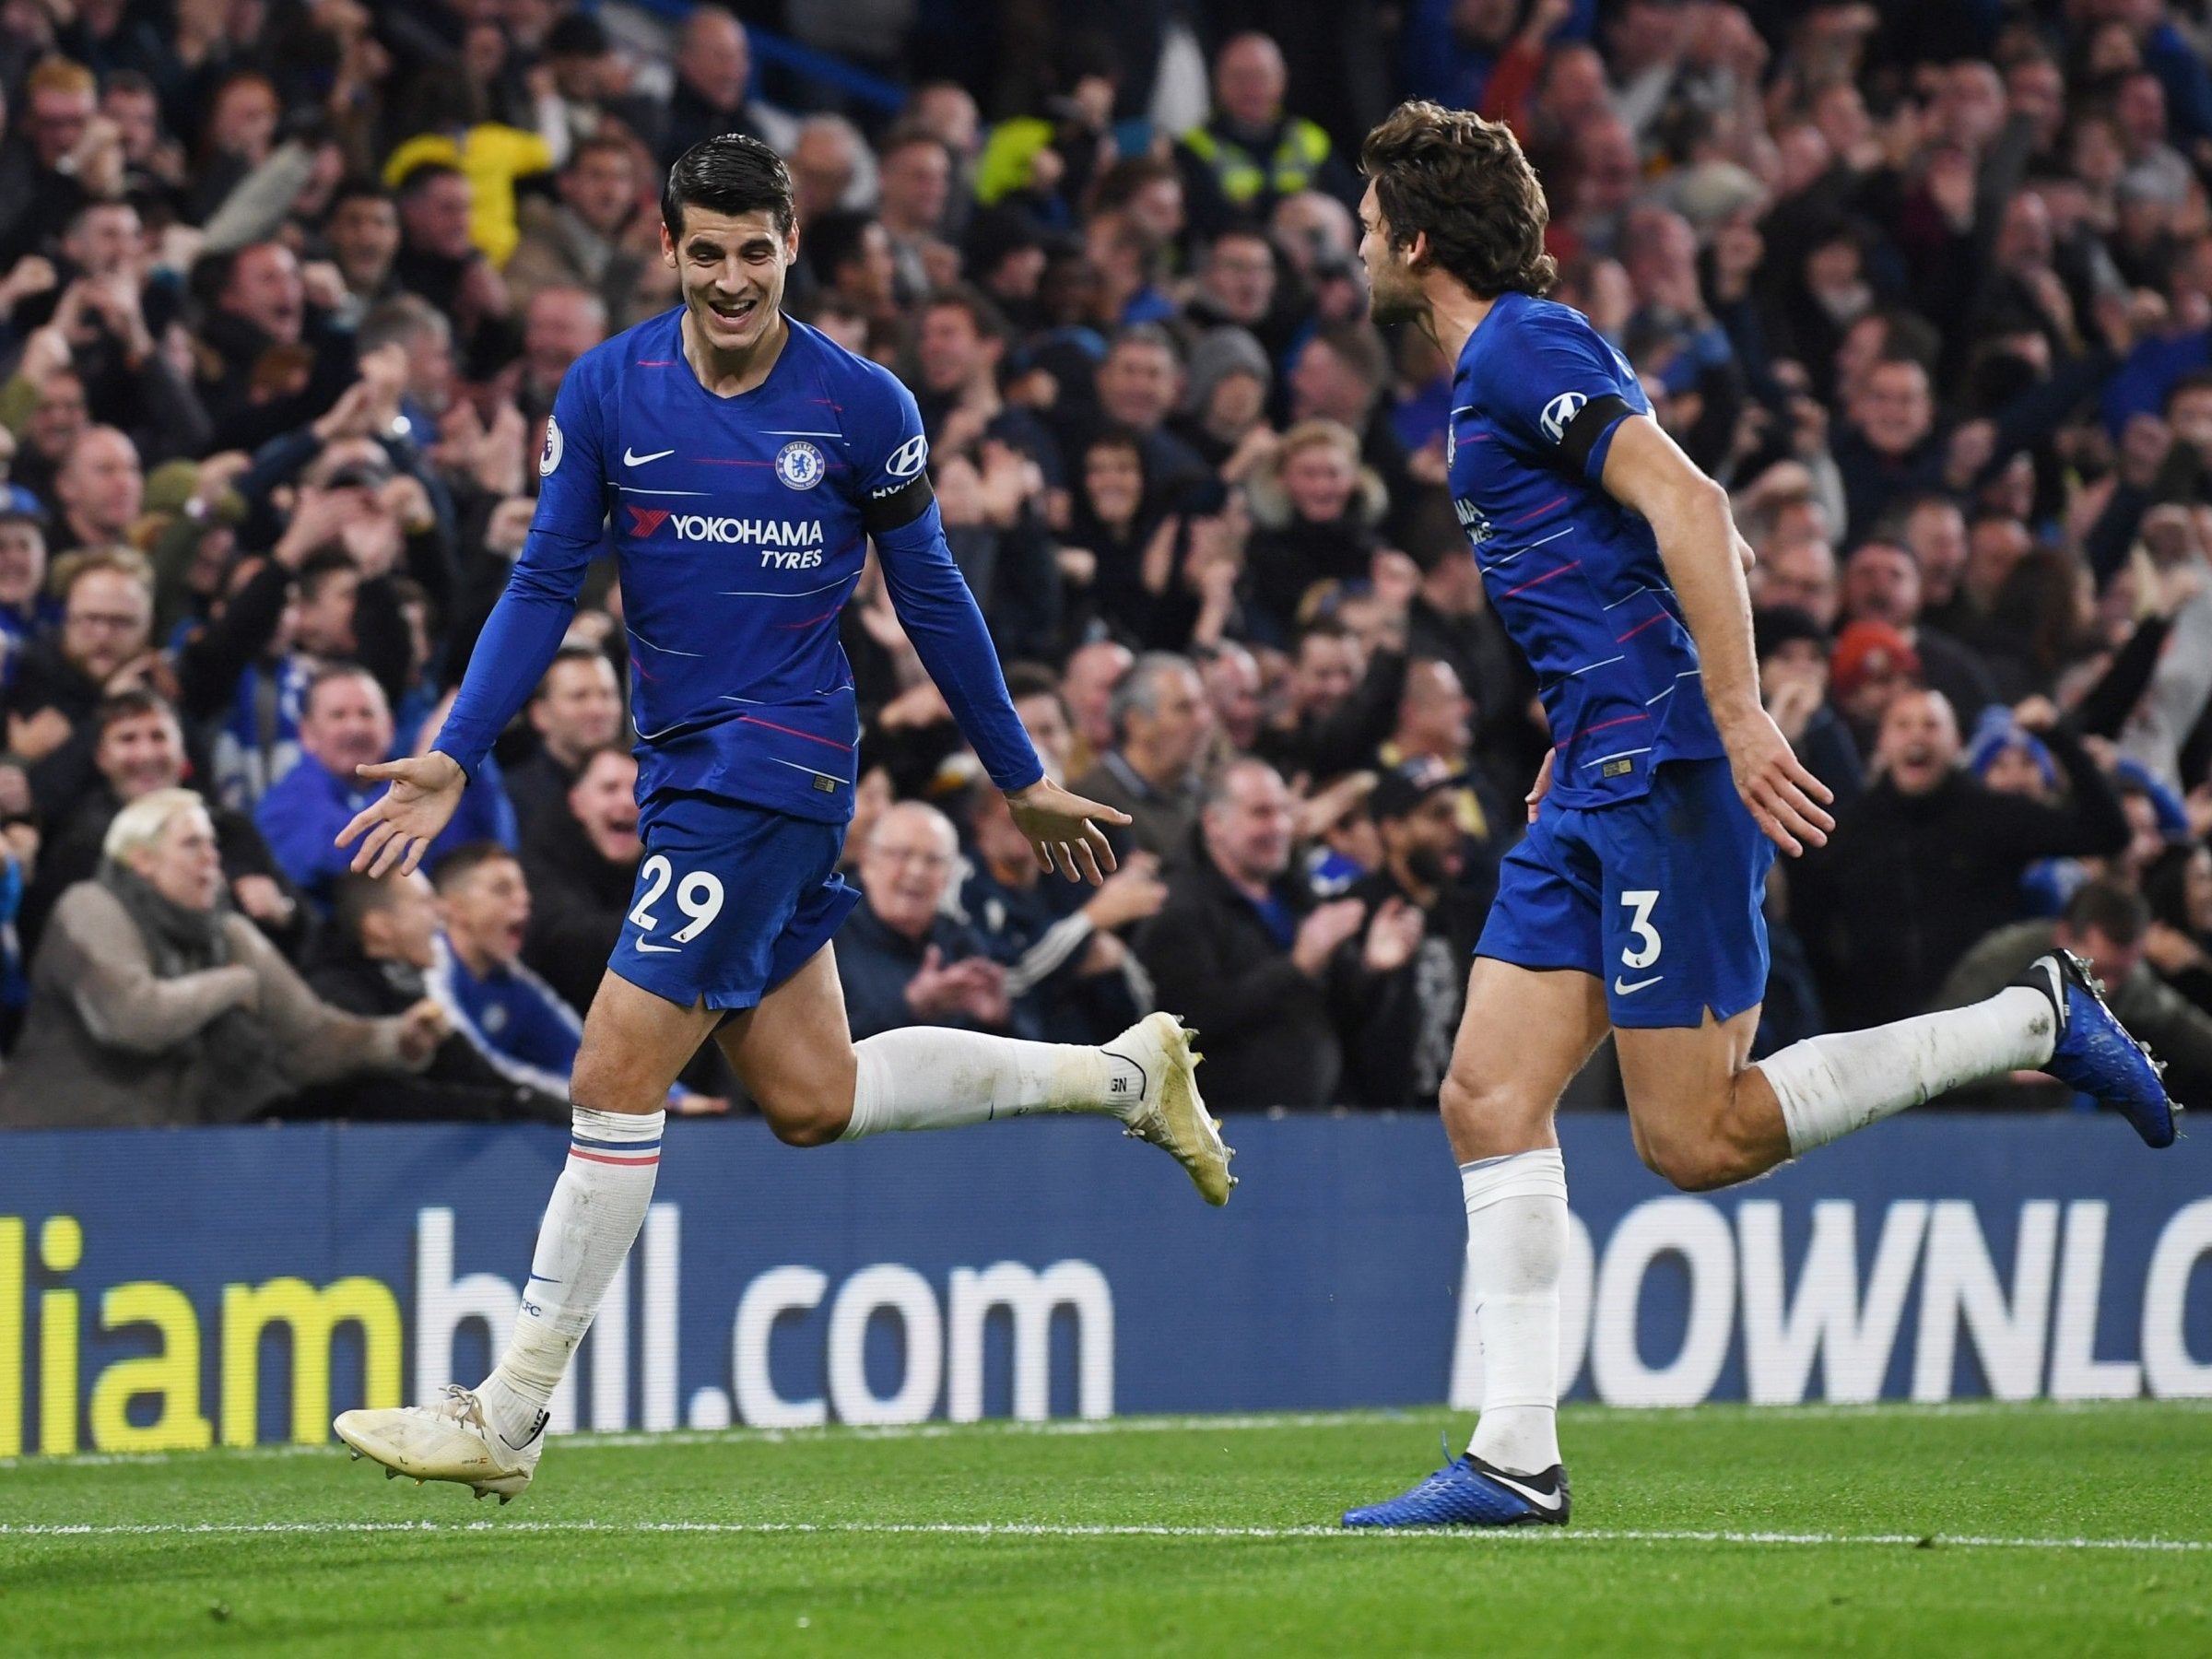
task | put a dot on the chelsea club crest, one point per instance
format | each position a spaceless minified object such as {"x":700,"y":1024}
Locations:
{"x":800,"y":466}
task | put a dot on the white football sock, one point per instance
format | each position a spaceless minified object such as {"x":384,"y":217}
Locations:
{"x":1516,"y":1245}
{"x":590,"y":1222}
{"x":933,"y":1077}
{"x":1830,"y":1086}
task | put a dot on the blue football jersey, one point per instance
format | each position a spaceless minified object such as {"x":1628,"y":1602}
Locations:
{"x":1574,"y":575}
{"x":740,"y":525}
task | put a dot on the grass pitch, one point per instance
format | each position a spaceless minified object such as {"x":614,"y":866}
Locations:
{"x":1974,"y":1529}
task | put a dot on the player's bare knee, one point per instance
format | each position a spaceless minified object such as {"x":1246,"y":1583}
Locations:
{"x":1699,"y":1161}
{"x":1485,"y":1108}
{"x":801,"y":1117}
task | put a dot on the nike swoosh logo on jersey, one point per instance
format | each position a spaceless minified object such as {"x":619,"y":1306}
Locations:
{"x":648,"y":946}
{"x":1546,"y":1501}
{"x":1622,"y":988}
{"x":632,"y":458}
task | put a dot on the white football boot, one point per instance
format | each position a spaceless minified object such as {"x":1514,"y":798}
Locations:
{"x":450,"y":1441}
{"x":1171,"y":1115}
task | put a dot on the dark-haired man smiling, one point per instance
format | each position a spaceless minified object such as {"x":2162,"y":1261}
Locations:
{"x":747,"y":461}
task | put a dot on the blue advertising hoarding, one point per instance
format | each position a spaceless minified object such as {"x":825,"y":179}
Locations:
{"x":164,"y":1290}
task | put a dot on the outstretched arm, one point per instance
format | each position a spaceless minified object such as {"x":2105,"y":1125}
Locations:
{"x":941,"y":617}
{"x":1706,"y":559}
{"x":516,"y":647}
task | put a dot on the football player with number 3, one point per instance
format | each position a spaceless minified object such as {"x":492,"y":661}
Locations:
{"x":1633,"y":903}
{"x":740,"y":462}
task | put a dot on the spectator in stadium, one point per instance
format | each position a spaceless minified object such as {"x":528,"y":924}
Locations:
{"x":27,"y":609}
{"x":1910,"y":242}
{"x":98,"y":334}
{"x":848,"y":258}
{"x":373,"y":959}
{"x":271,"y":361}
{"x":1224,"y":415}
{"x":1449,"y":620}
{"x":99,"y":488}
{"x":1241,"y":951}
{"x":1881,"y":584}
{"x":1250,"y":153}
{"x":1340,"y":706}
{"x":440,"y":261}
{"x":516,"y":1021}
{"x":1068,"y":968}
{"x":713,"y":92}
{"x":1042,"y":711}
{"x":1139,"y":386}
{"x":1315,"y":509}
{"x":2108,"y":927}
{"x":2178,"y":888}
{"x":1935,"y":533}
{"x":1087,"y":688}
{"x":103,"y":647}
{"x":360,"y":231}
{"x":914,"y":187}
{"x":138,"y":748}
{"x":1417,"y":949}
{"x":152,"y":1003}
{"x":64,"y":156}
{"x":1234,"y":688}
{"x":1889,"y":448}
{"x":1929,"y":860}
{"x":901,"y":959}
{"x":1340,"y":375}
{"x":57,"y":414}
{"x":1799,"y":574}
{"x":586,"y":239}
{"x":577,"y":712}
{"x":345,"y":722}
{"x":1161,"y":723}
{"x":1793,"y":685}
{"x":1236,"y":286}
{"x":1436,"y":723}
{"x":581,"y":868}
{"x":560,"y":325}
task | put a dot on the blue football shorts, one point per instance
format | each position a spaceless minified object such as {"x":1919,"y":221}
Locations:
{"x":731,"y":900}
{"x":1658,"y":896}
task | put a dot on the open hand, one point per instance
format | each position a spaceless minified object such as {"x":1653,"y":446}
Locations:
{"x":1061,"y":832}
{"x":401,"y":823}
{"x":1788,"y":802}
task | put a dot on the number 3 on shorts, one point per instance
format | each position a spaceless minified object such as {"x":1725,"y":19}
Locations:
{"x":699,"y":895}
{"x":1646,"y":950}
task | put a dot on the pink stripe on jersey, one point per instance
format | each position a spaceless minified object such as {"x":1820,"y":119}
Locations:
{"x":1540,"y":581}
{"x":794,"y":732}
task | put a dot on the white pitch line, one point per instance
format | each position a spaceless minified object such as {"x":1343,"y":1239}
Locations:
{"x":1046,"y":1530}
{"x":1409,"y":1416}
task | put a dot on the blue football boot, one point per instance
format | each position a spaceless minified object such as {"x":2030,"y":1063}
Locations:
{"x":2095,"y":1054}
{"x":1468,"y":1492}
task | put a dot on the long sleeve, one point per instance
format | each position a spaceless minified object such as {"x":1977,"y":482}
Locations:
{"x":1196,"y":975}
{"x":112,"y":980}
{"x":316,"y":1042}
{"x":947,"y":626}
{"x":533,"y":616}
{"x":2091,"y":824}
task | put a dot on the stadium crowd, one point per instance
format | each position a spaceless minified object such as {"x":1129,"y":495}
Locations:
{"x":286,"y":287}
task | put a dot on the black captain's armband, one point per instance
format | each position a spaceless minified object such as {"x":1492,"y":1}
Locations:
{"x":1591,"y":422}
{"x":897,"y":508}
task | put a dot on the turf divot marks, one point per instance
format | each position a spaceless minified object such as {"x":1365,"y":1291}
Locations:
{"x":1544,"y":1537}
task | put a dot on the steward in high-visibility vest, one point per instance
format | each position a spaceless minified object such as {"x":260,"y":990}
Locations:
{"x":1233,"y":172}
{"x":1253,"y":170}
